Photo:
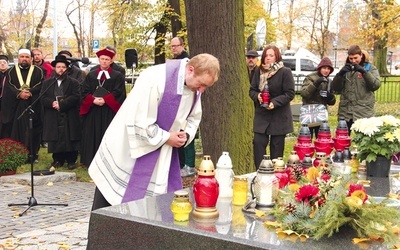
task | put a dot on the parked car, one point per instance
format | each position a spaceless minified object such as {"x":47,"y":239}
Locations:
{"x":302,"y":62}
{"x":94,"y":61}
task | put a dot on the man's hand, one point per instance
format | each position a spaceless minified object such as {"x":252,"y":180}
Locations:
{"x":25,"y":94}
{"x":56,"y":106}
{"x":346,"y":68}
{"x":99,"y":101}
{"x":177,"y":139}
{"x":319,"y":81}
{"x":359,"y":68}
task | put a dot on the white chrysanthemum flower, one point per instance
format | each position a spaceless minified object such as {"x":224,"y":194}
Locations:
{"x":367,"y":126}
{"x":390,"y":120}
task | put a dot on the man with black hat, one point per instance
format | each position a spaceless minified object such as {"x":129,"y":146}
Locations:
{"x":103,"y":93}
{"x":21,"y":89}
{"x":74,"y":70}
{"x":251,"y":62}
{"x":61,"y":121}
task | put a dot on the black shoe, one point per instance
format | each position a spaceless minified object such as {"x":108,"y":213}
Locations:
{"x":72,"y":165}
{"x":56,"y":164}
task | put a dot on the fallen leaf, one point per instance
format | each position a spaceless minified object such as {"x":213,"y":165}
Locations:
{"x":50,"y":184}
{"x":260,"y":214}
{"x":272,"y":223}
{"x":43,"y":210}
{"x":67,"y":193}
{"x":358,"y":240}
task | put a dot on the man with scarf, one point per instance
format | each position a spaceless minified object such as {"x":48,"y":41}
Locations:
{"x":61,"y":121}
{"x":103,"y":93}
{"x":138,"y":155}
{"x":21,"y":89}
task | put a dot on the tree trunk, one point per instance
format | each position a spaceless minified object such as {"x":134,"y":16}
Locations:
{"x":380,"y":52}
{"x":39,"y":27}
{"x":217,"y":27}
{"x":176,"y":23}
{"x":161,"y":31}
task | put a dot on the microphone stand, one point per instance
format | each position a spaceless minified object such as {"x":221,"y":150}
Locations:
{"x":32,"y":202}
{"x":133,"y":73}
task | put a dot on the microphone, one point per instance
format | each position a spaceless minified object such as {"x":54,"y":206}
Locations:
{"x":84,"y":60}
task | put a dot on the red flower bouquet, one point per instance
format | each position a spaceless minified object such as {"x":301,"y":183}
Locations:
{"x":317,"y":202}
{"x":12,"y":155}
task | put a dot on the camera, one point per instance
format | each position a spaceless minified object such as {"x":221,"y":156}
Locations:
{"x":352,"y":67}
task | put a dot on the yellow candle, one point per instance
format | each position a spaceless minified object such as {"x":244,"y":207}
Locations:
{"x":239,"y":190}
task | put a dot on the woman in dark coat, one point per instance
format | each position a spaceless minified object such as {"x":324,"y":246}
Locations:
{"x":61,"y":122}
{"x":103,"y":93}
{"x":273,"y":122}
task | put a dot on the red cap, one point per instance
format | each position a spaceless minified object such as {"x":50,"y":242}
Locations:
{"x":105,"y":52}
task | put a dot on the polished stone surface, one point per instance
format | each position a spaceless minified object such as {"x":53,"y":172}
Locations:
{"x":149,"y":224}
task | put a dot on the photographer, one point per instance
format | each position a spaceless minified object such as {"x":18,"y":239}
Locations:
{"x":316,"y":88}
{"x":356,"y":83}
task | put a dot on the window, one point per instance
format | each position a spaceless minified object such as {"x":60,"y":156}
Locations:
{"x":308,"y":65}
{"x":290,"y":63}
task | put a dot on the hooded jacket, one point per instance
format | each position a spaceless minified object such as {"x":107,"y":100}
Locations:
{"x":311,"y":94}
{"x":357,"y":91}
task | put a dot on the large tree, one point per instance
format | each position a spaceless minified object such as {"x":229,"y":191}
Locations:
{"x":216,"y":27}
{"x":383,"y":28}
{"x":39,"y":27}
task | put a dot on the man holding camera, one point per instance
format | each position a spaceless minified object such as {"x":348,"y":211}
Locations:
{"x":356,"y":82}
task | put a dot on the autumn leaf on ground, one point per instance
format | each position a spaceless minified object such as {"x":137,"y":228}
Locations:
{"x":50,"y":183}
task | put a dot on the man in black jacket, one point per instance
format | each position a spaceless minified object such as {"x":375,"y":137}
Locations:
{"x":60,"y":100}
{"x":178,"y":48}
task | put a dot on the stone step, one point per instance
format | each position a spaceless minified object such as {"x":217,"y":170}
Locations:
{"x":25,"y":178}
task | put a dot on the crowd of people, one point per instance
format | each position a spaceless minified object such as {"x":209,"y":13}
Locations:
{"x":58,"y":104}
{"x":356,"y":82}
{"x":133,"y":150}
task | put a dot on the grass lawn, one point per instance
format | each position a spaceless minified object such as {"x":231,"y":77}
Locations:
{"x":82,"y":173}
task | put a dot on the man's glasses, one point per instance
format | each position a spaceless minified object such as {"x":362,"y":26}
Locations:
{"x":175,"y":46}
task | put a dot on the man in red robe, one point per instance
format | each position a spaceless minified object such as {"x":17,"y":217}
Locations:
{"x":103,"y":93}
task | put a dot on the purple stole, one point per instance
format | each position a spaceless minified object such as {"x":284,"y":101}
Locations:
{"x":145,"y":165}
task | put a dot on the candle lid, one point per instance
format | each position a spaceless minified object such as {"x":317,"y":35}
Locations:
{"x":181,"y":194}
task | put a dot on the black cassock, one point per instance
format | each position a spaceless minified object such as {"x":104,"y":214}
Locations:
{"x":61,"y":129}
{"x":13,"y":107}
{"x":95,"y":119}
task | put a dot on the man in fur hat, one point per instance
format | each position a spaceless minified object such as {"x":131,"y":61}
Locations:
{"x":61,"y":121}
{"x":103,"y":93}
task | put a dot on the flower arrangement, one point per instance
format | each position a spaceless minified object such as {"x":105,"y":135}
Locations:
{"x":376,"y":136}
{"x":317,"y":202}
{"x":12,"y":155}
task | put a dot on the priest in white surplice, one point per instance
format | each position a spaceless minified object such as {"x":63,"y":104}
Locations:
{"x":138,"y":154}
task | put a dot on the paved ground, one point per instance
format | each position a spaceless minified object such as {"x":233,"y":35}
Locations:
{"x":44,"y":226}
